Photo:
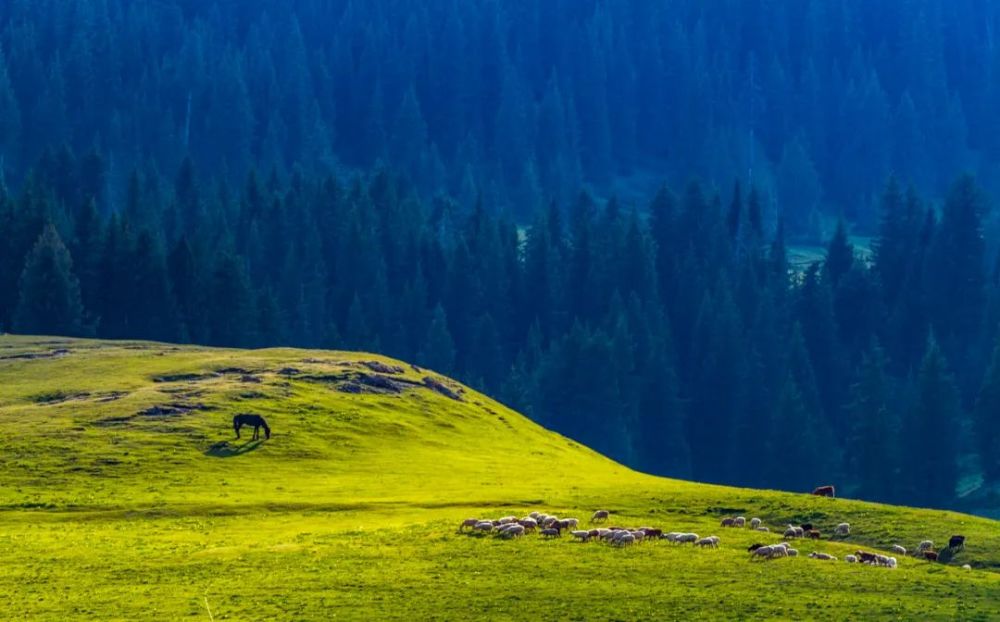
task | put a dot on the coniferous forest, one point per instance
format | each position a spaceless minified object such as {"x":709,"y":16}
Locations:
{"x":586,"y":209}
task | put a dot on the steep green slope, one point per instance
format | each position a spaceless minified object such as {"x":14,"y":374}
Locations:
{"x":124,"y":495}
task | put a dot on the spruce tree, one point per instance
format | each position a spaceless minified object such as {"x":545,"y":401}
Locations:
{"x":872,"y":442}
{"x":49,"y":296}
{"x":439,"y":349}
{"x":987,"y":420}
{"x":930,"y":434}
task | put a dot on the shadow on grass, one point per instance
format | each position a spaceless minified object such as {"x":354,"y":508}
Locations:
{"x":223,"y":449}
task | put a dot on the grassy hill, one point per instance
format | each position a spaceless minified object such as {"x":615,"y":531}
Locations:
{"x":124,"y":495}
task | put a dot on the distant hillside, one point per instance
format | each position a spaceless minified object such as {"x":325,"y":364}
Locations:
{"x":125,"y":495}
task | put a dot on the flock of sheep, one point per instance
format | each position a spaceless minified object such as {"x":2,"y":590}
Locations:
{"x":551,"y":526}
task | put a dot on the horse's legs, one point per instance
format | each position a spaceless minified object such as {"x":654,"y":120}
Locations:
{"x":256,"y":433}
{"x":237,"y":428}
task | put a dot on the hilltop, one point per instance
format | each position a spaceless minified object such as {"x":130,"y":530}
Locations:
{"x":124,"y":495}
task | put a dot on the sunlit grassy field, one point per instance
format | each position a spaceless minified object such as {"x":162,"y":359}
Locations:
{"x":124,"y":495}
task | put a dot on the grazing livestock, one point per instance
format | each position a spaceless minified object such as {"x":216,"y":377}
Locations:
{"x":652,"y":533}
{"x":533,"y":515}
{"x":899,"y":550}
{"x":891,"y":563}
{"x":729,"y":522}
{"x":600,"y":515}
{"x":685,"y":538}
{"x":850,"y":559}
{"x":843,"y":529}
{"x":582,"y":536}
{"x":764,"y":529}
{"x":825,"y":491}
{"x":813,"y":533}
{"x":966,"y":567}
{"x":930,"y":556}
{"x":550,"y":533}
{"x":711,"y":541}
{"x":792,"y":552}
{"x":511,"y":531}
{"x":791,"y":532}
{"x":926,"y":545}
{"x":485,"y":526}
{"x":865,"y":557}
{"x":753,"y":547}
{"x":822,"y":556}
{"x":806,"y":526}
{"x":762,"y":552}
{"x":625,"y":539}
{"x":956,"y":542}
{"x":256,"y":421}
{"x":779,"y":551}
{"x":528,"y":523}
{"x":469,"y":522}
{"x":739,"y":521}
{"x":754,"y":523}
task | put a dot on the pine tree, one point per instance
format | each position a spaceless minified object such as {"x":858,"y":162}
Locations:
{"x":987,"y":420}
{"x":929,"y":434}
{"x":839,"y":256}
{"x":49,"y":297}
{"x":872,"y":440}
{"x":231,"y":316}
{"x":439,"y":350}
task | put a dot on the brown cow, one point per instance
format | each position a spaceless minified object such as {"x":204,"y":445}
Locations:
{"x":813,"y":533}
{"x":930,"y":556}
{"x":825,"y":491}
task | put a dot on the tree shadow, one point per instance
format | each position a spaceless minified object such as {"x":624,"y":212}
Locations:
{"x":223,"y":449}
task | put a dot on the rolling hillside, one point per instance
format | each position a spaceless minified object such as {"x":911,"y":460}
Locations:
{"x":124,"y":495}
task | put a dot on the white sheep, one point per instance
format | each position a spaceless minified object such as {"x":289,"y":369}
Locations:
{"x":600,"y":515}
{"x":571,"y":523}
{"x":739,"y":521}
{"x":485,"y":525}
{"x":583,"y":536}
{"x":892,"y":563}
{"x":822,"y":556}
{"x":469,"y":522}
{"x":506,"y":520}
{"x":626,"y":539}
{"x":779,"y":551}
{"x":684,"y":538}
{"x":851,"y":559}
{"x":843,"y":529}
{"x":762,"y":552}
{"x":511,"y":531}
{"x":966,"y":567}
{"x":550,"y":533}
{"x":762,"y":528}
{"x":533,"y":515}
{"x":671,"y":536}
{"x":792,"y":552}
{"x":881,"y":560}
{"x":790,"y":533}
{"x":710,"y":541}
{"x":926,"y":545}
{"x":899,"y":550}
{"x":754,"y":523}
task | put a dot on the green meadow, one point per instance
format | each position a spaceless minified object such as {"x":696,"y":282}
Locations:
{"x":124,"y":495}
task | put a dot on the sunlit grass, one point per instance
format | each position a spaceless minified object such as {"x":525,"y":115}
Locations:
{"x":350,"y":509}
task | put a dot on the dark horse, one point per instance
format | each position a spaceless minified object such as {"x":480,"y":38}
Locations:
{"x":256,"y":421}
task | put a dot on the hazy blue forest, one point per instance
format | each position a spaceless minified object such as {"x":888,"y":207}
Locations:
{"x":585,"y":208}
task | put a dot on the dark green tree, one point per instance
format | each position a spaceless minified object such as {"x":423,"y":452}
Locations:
{"x":49,"y":296}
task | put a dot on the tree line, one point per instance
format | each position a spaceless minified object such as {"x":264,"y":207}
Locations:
{"x":516,"y":101}
{"x":676,"y":337}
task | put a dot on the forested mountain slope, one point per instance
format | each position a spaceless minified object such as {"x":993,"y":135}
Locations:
{"x":517,"y":100}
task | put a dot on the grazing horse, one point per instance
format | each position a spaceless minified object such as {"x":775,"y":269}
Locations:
{"x":824,"y":491}
{"x":256,"y":421}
